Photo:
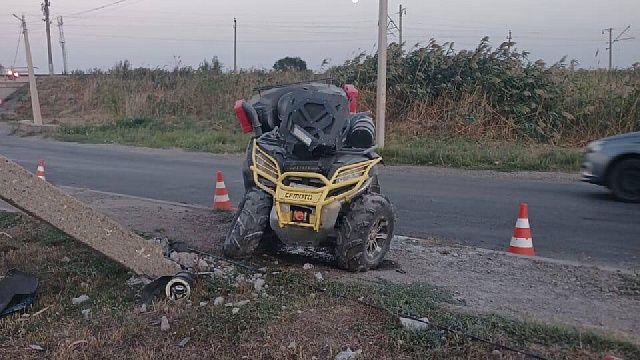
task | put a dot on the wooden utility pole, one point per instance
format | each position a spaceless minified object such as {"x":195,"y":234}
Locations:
{"x":613,"y":41}
{"x":45,"y":10}
{"x":35,"y":101}
{"x":381,"y":94}
{"x":62,"y":45}
{"x":235,"y":46}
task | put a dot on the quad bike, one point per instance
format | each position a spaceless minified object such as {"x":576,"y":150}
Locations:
{"x":311,"y":177}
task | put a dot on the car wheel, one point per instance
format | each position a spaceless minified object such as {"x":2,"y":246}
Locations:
{"x":625,"y":180}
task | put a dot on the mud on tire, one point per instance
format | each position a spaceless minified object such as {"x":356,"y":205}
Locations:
{"x":365,"y":233}
{"x":250,"y":223}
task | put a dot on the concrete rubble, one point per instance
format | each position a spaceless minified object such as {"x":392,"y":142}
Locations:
{"x":42,"y":200}
{"x":80,"y":299}
{"x":164,"y":324}
{"x":414,"y":325}
{"x":348,"y":354}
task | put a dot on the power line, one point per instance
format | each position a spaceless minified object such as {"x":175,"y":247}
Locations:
{"x":97,"y":8}
{"x":15,"y":57}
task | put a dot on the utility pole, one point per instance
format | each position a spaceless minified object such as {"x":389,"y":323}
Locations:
{"x":509,"y":38}
{"x":403,"y":11}
{"x":381,"y":94}
{"x":613,"y":41}
{"x":35,"y":101}
{"x":235,"y":46}
{"x":45,"y":10}
{"x":62,"y":45}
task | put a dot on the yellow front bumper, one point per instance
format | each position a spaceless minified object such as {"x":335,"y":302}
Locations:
{"x":346,"y":181}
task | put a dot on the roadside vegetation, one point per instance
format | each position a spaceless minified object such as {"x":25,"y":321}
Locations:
{"x":297,"y":318}
{"x":485,"y":108}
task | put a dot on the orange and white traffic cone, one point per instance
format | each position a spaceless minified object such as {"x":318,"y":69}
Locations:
{"x":521,"y":241}
{"x":221,"y":199}
{"x":40,"y":170}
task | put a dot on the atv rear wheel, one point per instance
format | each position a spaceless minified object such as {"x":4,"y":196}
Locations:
{"x":250,"y":223}
{"x":365,"y":233}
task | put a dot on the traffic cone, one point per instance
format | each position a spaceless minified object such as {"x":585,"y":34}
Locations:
{"x":40,"y":170}
{"x":221,"y":199}
{"x":521,"y":241}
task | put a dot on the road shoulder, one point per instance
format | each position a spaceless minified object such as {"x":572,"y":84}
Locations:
{"x":482,"y":281}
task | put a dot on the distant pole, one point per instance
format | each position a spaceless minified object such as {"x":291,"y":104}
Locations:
{"x":235,"y":46}
{"x":35,"y":101}
{"x":509,"y":38}
{"x":613,"y":41}
{"x":45,"y":10}
{"x":401,"y":13}
{"x":62,"y":45}
{"x":381,"y":95}
{"x":610,"y":30}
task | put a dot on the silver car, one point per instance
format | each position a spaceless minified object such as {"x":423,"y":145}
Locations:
{"x":614,"y":162}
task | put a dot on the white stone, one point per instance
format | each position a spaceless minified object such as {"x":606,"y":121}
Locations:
{"x":218,"y":301}
{"x":258,"y":284}
{"x":164,"y":324}
{"x":36,"y":347}
{"x":86,"y":313}
{"x":414,"y":325}
{"x":241,"y":303}
{"x":348,"y":354}
{"x":307,"y":266}
{"x":80,"y":299}
{"x":319,"y":276}
{"x":235,"y":310}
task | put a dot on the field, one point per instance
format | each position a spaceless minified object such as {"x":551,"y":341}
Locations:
{"x":296,"y":317}
{"x":488,"y":108}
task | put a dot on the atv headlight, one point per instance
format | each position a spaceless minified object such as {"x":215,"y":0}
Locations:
{"x":350,"y":174}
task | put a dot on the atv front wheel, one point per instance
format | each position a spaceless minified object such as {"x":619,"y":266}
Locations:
{"x":365,"y":233}
{"x":249,"y":224}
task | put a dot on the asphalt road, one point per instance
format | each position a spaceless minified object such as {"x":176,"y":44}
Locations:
{"x":570,"y":220}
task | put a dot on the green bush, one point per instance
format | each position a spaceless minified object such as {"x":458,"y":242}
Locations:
{"x":554,"y":104}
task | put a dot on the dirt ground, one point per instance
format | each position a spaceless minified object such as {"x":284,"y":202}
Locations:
{"x":482,"y":281}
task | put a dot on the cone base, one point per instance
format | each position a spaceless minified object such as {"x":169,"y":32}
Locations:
{"x":224,"y":206}
{"x":521,"y":251}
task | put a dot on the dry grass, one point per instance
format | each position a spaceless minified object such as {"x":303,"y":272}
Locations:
{"x":296,"y":320}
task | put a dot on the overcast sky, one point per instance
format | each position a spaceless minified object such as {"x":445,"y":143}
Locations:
{"x":162,"y":33}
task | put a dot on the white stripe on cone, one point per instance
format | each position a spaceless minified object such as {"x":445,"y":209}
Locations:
{"x":220,"y":185}
{"x":521,"y":243}
{"x":221,"y":198}
{"x":522,"y":224}
{"x":40,"y":168}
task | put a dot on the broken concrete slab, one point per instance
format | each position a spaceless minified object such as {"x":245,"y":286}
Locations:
{"x":42,"y":200}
